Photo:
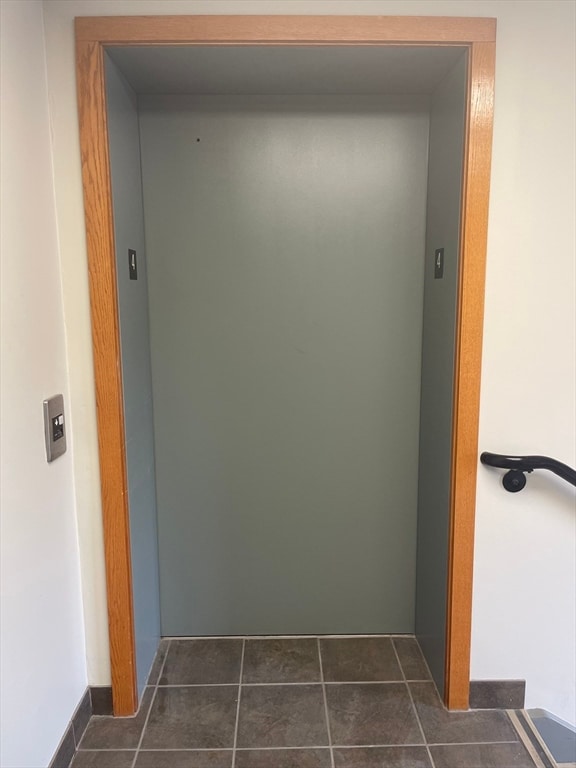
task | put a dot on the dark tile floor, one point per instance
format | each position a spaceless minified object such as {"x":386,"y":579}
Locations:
{"x":360,"y":702}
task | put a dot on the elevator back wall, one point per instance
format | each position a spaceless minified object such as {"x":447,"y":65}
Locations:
{"x":285,"y":243}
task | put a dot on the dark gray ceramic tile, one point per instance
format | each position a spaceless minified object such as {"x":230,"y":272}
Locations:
{"x":443,"y":727}
{"x":382,"y":757}
{"x":117,"y":732}
{"x":103,"y":759}
{"x":497,"y":694}
{"x":202,"y":662}
{"x":158,"y":661}
{"x":192,"y":718}
{"x":281,"y":661}
{"x":282,"y":716}
{"x":65,"y":751}
{"x":101,"y":696}
{"x":411,"y":658}
{"x":359,"y":659}
{"x":371,"y":714}
{"x":481,"y":756}
{"x":220,"y":758}
{"x":283,"y":758}
{"x":82,"y":716}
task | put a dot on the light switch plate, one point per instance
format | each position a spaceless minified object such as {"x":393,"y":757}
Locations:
{"x":54,"y":427}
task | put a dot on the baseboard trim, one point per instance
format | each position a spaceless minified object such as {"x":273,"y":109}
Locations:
{"x":96,"y":700}
{"x":497,"y":694}
{"x":101,"y":696}
{"x":74,"y":732}
{"x":65,"y":751}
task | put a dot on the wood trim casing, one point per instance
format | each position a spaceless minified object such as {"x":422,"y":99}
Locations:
{"x":107,"y":371}
{"x":468,"y":364}
{"x":92,"y":34}
{"x":277,"y":30}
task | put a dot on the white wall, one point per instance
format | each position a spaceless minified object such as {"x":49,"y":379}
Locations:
{"x":42,"y":629}
{"x":525,"y":589}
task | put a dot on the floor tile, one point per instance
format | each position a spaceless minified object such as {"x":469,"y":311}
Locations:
{"x":158,"y":661}
{"x":359,"y":659}
{"x":202,"y":662}
{"x":192,"y":718}
{"x":411,"y":658}
{"x":103,"y":759}
{"x":382,"y":757}
{"x":371,"y":714}
{"x":282,"y":716}
{"x":117,"y":732}
{"x":281,"y":661}
{"x":185,"y":759}
{"x":283,"y":758}
{"x":481,"y":756}
{"x":443,"y":727}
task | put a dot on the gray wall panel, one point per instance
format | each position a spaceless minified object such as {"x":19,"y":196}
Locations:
{"x":285,"y":249}
{"x":442,"y":231}
{"x":137,"y":382}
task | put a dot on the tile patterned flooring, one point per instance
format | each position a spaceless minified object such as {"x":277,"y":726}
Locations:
{"x":358,"y":702}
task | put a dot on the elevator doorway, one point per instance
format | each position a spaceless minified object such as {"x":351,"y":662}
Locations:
{"x":331,"y":439}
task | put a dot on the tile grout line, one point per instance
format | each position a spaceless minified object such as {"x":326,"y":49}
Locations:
{"x":325,"y":702}
{"x":412,"y":703}
{"x":304,"y":682}
{"x":160,"y":671}
{"x":278,"y":637}
{"x":307,"y":746}
{"x":430,"y":678}
{"x":238,"y":704}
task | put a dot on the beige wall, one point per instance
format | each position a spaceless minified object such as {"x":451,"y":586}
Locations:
{"x":41,"y":625}
{"x":524,"y":593}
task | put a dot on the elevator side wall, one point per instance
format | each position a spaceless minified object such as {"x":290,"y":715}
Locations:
{"x":136,"y":375}
{"x":447,"y":116}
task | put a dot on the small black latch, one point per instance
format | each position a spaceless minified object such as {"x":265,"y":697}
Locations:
{"x":438,"y":263}
{"x":132,"y":265}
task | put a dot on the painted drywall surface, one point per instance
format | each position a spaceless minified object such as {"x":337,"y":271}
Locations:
{"x":528,"y":375}
{"x":447,"y":114}
{"x":124,"y":141}
{"x":524,"y":619}
{"x":285,"y":239}
{"x":41,"y":628}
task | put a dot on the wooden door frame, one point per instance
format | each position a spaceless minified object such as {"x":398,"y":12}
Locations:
{"x":93,"y":34}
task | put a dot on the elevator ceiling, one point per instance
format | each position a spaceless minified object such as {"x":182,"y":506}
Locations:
{"x":239,"y":70}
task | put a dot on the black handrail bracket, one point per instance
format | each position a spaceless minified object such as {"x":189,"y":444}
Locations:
{"x":515,"y":479}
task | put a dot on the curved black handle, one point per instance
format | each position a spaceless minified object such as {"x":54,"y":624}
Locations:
{"x":514,"y":480}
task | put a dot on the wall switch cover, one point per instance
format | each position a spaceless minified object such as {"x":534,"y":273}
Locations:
{"x":54,"y":427}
